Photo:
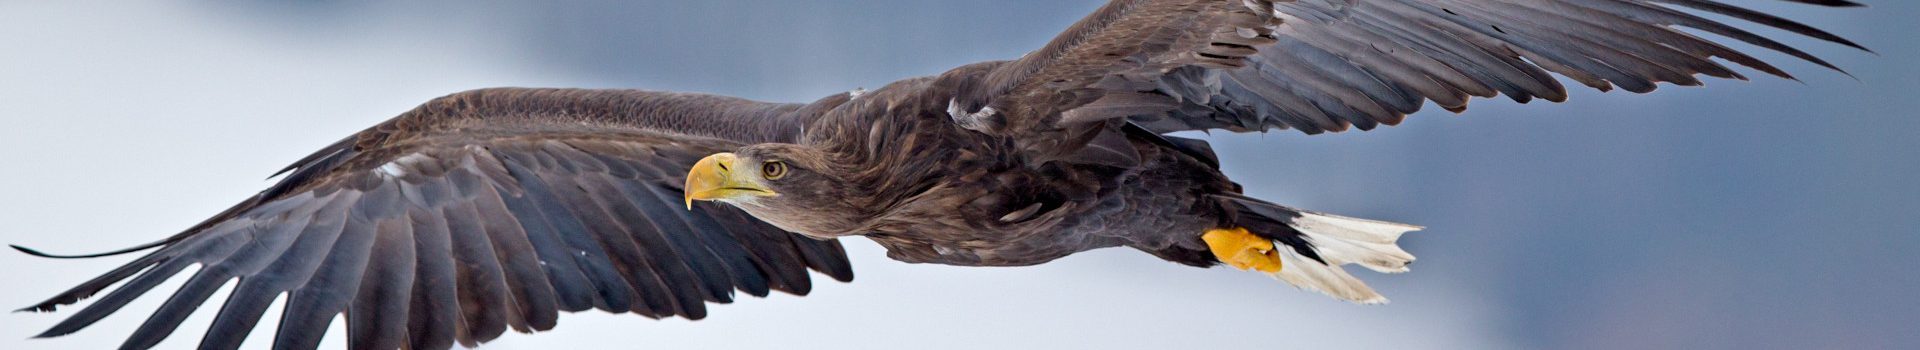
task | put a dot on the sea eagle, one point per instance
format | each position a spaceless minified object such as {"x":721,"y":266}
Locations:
{"x":497,"y":209}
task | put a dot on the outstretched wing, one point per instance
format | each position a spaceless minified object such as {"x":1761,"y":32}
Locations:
{"x":479,"y":212}
{"x":1327,"y":65}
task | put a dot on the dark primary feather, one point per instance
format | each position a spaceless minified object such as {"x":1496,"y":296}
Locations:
{"x":1328,"y":65}
{"x":479,"y":212}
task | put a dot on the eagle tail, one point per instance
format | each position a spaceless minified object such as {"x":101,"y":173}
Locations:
{"x":1321,"y":243}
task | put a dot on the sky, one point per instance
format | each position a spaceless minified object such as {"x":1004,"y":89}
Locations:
{"x":1743,"y":215}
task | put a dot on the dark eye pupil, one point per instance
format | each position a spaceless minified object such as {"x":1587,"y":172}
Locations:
{"x":774,"y":169}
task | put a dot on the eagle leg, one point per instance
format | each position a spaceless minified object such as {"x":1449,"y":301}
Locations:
{"x":1243,"y":250}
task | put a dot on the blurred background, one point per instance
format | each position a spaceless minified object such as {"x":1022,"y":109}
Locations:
{"x":1769,"y":214}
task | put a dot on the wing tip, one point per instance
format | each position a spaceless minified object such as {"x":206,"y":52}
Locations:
{"x":842,"y":275}
{"x":38,"y":253}
{"x":29,"y":251}
{"x":45,"y":335}
{"x":1833,"y":3}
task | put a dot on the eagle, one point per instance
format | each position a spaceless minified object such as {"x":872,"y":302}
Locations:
{"x":501,"y":208}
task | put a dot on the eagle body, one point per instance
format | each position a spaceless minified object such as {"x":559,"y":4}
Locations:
{"x":981,"y":200}
{"x":501,"y":209}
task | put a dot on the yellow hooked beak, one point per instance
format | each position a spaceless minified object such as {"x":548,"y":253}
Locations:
{"x":715,"y":178}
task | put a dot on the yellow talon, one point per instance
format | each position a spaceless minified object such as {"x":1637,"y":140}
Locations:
{"x":1242,"y":250}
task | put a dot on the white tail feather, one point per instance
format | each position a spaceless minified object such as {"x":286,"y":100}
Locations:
{"x":1343,"y":240}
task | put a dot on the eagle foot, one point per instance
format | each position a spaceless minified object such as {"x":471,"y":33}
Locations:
{"x":1242,"y":250}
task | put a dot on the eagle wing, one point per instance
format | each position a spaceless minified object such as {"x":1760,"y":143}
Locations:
{"x":479,"y":212}
{"x":1328,"y":65}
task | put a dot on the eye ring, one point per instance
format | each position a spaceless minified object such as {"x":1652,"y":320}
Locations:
{"x":773,"y":169}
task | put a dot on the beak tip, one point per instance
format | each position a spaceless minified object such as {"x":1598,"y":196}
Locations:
{"x":711,"y":179}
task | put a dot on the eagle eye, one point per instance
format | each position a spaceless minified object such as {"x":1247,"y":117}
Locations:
{"x":773,"y":169}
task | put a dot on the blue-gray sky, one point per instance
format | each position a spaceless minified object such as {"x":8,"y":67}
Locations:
{"x":1769,"y":214}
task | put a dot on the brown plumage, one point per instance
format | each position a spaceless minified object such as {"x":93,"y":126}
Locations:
{"x":496,"y":209}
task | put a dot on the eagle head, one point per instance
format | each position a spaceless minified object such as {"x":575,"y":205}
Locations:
{"x":790,"y":186}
